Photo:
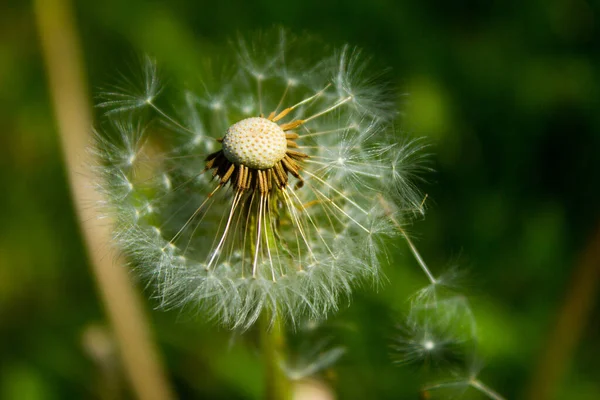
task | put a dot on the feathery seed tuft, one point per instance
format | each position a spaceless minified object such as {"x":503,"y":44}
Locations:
{"x":266,"y":193}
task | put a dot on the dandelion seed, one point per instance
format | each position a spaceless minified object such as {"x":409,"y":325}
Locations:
{"x":440,"y":334}
{"x":267,"y":196}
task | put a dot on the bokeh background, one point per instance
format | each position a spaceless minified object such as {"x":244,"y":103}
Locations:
{"x":507,"y":93}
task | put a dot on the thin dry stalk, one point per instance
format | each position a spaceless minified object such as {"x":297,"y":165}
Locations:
{"x":60,"y":48}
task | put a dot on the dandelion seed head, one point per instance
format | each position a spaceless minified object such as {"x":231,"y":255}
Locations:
{"x":264,"y":196}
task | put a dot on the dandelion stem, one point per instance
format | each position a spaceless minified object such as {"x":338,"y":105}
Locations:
{"x":285,"y":92}
{"x":167,"y":117}
{"x":416,"y":254}
{"x":272,"y":342}
{"x":486,"y":390}
{"x":289,"y":109}
{"x":333,"y":107}
{"x":326,"y":132}
{"x":412,"y":247}
{"x":474,"y":383}
{"x":259,"y":94}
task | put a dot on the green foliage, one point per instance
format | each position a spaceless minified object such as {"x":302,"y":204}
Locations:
{"x":508,"y":94}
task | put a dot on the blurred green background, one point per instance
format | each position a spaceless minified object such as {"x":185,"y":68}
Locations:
{"x":509,"y":95}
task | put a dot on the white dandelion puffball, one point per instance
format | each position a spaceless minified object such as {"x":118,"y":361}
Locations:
{"x":261,"y":192}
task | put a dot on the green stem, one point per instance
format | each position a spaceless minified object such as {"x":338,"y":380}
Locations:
{"x":272,"y":342}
